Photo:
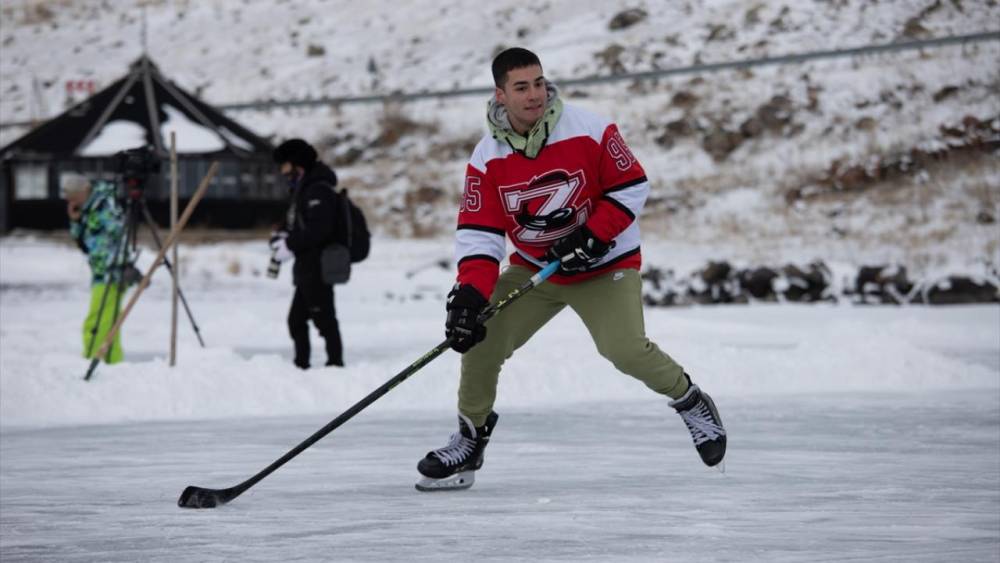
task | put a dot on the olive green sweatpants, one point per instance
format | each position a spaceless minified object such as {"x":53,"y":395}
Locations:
{"x":610,"y":306}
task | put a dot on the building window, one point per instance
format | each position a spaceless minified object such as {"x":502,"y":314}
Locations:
{"x":31,"y":181}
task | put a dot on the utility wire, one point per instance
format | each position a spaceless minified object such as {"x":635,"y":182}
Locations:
{"x":629,"y":76}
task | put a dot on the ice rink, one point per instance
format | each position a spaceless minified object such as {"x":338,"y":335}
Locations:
{"x":843,"y":477}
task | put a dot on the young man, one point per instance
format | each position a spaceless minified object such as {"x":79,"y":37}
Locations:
{"x":562,"y":184}
{"x":310,"y":224}
{"x":97,"y":224}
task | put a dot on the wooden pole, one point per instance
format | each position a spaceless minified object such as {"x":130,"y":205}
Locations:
{"x":174,"y":233}
{"x":176,"y":263}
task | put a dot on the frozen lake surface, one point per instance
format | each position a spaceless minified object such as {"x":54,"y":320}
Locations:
{"x":855,"y":477}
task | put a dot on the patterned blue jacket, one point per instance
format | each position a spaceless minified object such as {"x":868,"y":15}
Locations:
{"x":99,"y":232}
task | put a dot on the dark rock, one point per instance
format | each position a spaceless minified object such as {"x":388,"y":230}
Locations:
{"x":913,"y":29}
{"x":680,"y":128}
{"x":752,"y":127}
{"x":716,"y":283}
{"x":351,"y":156}
{"x":719,"y":282}
{"x":759,"y":283}
{"x":865,"y":124}
{"x":719,"y":32}
{"x":776,"y":113}
{"x":944,"y":93}
{"x":882,"y":284}
{"x":627,"y":18}
{"x":661,"y":288}
{"x":665,"y":140}
{"x":720,"y":142}
{"x":716,"y":272}
{"x":610,"y":57}
{"x":684,"y":99}
{"x":809,"y":285}
{"x":960,"y":289}
{"x":853,"y":178}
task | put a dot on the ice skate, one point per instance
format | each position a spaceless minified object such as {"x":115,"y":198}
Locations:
{"x":457,"y":482}
{"x":703,"y":421}
{"x":453,"y":467}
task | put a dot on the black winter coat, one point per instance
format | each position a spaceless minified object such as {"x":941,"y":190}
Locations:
{"x":313,"y":222}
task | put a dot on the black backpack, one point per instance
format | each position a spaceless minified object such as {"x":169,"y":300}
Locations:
{"x":358,"y":238}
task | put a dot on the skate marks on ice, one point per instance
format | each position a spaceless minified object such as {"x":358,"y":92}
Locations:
{"x":862,"y":476}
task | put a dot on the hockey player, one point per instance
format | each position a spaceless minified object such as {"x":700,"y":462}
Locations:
{"x":561,"y":184}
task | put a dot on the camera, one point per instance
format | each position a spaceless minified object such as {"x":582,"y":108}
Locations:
{"x":137,"y":165}
{"x":274,"y":267}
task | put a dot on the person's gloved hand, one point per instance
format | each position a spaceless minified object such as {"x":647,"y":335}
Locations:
{"x":577,"y":250}
{"x":131,"y":274}
{"x":276,"y":236}
{"x":279,"y":247}
{"x":461,"y":327}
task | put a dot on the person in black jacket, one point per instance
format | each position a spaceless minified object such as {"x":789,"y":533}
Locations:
{"x":310,"y":224}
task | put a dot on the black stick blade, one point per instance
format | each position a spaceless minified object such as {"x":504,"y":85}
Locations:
{"x":197,"y":497}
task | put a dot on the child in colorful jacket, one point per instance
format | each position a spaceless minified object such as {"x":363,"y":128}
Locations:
{"x":97,"y":224}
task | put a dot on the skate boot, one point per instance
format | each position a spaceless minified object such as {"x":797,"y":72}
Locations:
{"x":454,"y":466}
{"x":702,"y":419}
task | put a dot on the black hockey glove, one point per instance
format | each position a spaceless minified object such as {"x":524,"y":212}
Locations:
{"x":461,"y":327}
{"x":578,"y":250}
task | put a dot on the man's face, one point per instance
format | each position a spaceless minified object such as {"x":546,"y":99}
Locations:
{"x":291,"y":173}
{"x":523,"y":94}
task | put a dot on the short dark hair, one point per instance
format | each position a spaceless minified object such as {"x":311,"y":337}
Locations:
{"x":510,"y":59}
{"x":297,"y":152}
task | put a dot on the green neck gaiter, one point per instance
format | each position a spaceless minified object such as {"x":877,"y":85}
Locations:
{"x":530,"y":145}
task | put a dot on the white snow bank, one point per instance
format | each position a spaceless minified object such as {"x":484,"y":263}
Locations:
{"x":389,"y":319}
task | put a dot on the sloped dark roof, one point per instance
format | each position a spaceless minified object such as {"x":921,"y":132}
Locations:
{"x":140,"y":103}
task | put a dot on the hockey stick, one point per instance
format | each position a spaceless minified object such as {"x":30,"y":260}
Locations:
{"x":199,"y":497}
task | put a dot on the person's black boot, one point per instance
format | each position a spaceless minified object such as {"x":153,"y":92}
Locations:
{"x":703,"y":421}
{"x":334,"y":347}
{"x":453,"y":466}
{"x":302,"y":352}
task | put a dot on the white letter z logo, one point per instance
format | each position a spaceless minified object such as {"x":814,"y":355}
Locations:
{"x":544,"y":208}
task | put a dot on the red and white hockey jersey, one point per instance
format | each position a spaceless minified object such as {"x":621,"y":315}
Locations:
{"x":585,"y":175}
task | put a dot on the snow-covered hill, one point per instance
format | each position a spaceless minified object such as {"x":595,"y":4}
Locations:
{"x":231,"y":51}
{"x":890,"y":157}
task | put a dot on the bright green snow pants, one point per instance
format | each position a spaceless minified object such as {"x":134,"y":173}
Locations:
{"x":610,"y":306}
{"x":92,"y":340}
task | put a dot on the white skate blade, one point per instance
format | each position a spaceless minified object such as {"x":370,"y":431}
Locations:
{"x":456,"y":482}
{"x":721,"y":467}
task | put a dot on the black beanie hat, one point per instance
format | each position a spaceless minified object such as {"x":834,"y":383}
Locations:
{"x":295,"y":151}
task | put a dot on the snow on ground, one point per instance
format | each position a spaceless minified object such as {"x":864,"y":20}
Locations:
{"x":389,"y":319}
{"x":857,"y":433}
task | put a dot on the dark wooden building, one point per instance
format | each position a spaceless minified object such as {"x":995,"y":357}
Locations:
{"x":140,"y":110}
